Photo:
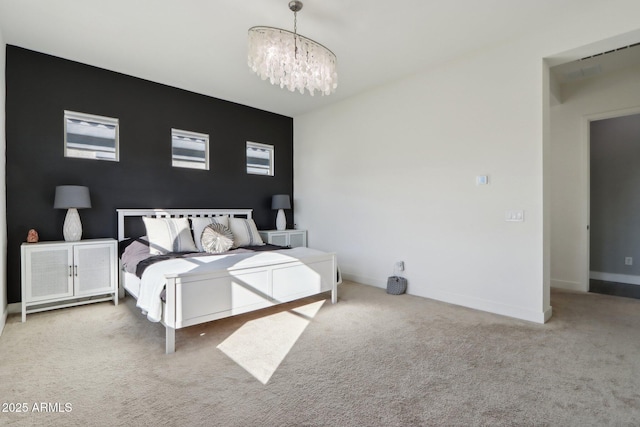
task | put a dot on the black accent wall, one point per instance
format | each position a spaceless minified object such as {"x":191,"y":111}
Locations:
{"x":40,"y":87}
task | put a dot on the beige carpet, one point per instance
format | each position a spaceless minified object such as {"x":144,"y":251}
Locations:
{"x":371,"y":360}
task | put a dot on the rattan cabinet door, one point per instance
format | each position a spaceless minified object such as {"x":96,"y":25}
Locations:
{"x":48,"y":272}
{"x":297,"y":238}
{"x":93,"y":269}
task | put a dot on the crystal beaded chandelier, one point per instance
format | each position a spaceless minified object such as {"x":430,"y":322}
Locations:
{"x":291,"y":60}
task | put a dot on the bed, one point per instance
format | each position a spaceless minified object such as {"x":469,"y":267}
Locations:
{"x":200,"y":287}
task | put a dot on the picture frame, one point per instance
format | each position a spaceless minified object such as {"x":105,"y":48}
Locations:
{"x":89,"y":136}
{"x":189,"y":149}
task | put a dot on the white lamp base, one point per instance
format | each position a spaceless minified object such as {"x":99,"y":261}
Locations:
{"x":72,"y":228}
{"x":281,"y":220}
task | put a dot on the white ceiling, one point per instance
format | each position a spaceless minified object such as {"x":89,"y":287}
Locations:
{"x":200,"y":45}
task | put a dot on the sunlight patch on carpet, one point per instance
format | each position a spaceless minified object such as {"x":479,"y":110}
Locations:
{"x":260,"y":345}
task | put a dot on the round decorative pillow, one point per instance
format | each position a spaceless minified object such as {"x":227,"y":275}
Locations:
{"x":216,"y":238}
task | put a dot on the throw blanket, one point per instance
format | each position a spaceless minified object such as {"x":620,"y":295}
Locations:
{"x":142,"y":265}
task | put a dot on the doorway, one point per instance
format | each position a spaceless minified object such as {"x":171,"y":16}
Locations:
{"x":614,"y":207}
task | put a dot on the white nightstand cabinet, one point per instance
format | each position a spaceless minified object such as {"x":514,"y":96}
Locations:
{"x":64,"y":274}
{"x":293,"y":238}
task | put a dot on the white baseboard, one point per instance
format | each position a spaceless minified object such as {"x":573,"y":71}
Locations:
{"x":614,"y":277}
{"x":3,"y":319}
{"x":462,"y":300}
{"x":491,"y":306}
{"x":568,"y":285}
{"x":378,"y":283}
{"x":14,"y":308}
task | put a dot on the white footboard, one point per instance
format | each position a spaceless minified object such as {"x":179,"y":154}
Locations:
{"x":192,"y":299}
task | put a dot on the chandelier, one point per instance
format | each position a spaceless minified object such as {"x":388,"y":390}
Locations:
{"x":292,"y":60}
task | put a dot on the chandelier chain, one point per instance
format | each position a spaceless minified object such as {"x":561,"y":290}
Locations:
{"x":295,"y":34}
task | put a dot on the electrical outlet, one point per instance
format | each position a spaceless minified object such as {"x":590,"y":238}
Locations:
{"x":400,"y":265}
{"x":482,"y":180}
{"x":628,"y":261}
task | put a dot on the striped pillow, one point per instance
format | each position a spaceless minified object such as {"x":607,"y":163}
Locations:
{"x":169,"y":235}
{"x":245,"y":232}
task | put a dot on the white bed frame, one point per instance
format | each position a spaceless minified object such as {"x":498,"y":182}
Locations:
{"x":195,"y":298}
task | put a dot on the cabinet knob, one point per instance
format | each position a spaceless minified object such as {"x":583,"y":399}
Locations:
{"x":75,"y":270}
{"x":70,"y":271}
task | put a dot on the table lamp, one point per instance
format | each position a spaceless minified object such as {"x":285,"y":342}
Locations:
{"x":281,"y":202}
{"x":72,"y":198}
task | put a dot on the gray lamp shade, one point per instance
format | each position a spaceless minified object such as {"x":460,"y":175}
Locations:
{"x":281,"y":201}
{"x":72,"y":196}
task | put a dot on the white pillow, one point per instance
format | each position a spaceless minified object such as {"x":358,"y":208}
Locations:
{"x":169,"y":235}
{"x":245,"y":232}
{"x":199,"y":224}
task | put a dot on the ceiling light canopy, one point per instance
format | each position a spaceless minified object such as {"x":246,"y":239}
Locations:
{"x":292,"y":60}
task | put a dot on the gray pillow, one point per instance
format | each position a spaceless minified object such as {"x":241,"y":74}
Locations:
{"x":216,"y":238}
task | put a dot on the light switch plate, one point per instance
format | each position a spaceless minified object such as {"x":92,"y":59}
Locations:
{"x":514,"y":216}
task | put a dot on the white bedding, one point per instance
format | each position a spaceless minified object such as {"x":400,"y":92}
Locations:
{"x":153,"y":279}
{"x":131,"y":283}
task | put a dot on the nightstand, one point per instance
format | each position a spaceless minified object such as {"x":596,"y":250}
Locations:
{"x":65,"y":274}
{"x":293,"y":238}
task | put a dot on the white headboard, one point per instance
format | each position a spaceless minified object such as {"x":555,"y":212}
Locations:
{"x":175,"y":213}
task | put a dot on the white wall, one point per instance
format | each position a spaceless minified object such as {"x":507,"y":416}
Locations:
{"x":3,"y":196}
{"x":389,"y":174}
{"x":606,"y":96}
